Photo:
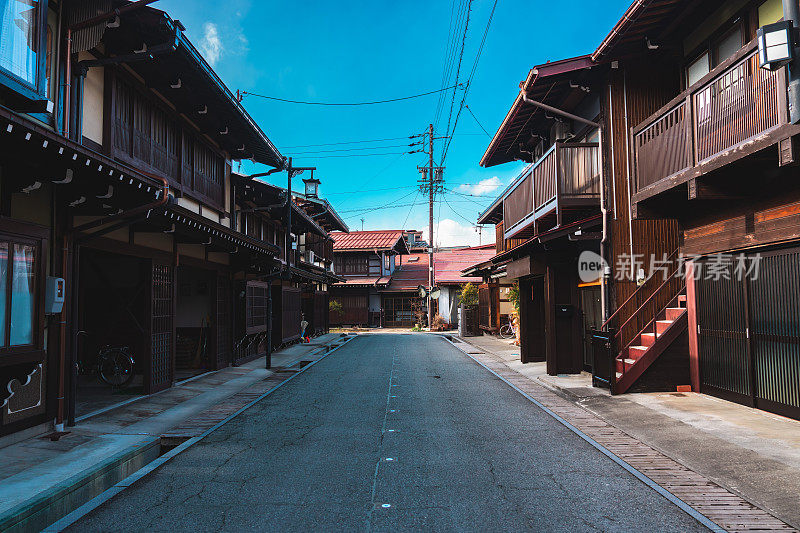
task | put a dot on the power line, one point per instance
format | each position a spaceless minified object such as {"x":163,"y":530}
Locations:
{"x":372,"y":190}
{"x":450,"y":53}
{"x":381,"y":171}
{"x":478,"y":122}
{"x":456,"y":212}
{"x":414,"y":203}
{"x":374,"y":102}
{"x":355,"y":149}
{"x":469,"y":81}
{"x":458,"y":73}
{"x":353,"y":155}
{"x":349,"y":142}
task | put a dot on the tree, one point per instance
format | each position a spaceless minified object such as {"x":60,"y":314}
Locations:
{"x":513,"y":296}
{"x":469,"y":295}
{"x":335,"y":308}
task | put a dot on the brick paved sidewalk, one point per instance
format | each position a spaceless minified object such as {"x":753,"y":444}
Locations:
{"x":730,"y":511}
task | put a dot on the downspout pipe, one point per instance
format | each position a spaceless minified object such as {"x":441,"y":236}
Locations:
{"x":791,"y":11}
{"x":68,"y":241}
{"x":558,"y":111}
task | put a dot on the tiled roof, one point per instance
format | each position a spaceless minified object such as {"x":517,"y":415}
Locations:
{"x":366,"y":240}
{"x":447,"y":265}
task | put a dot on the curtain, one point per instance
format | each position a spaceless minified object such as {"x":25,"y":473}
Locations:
{"x":22,"y":295}
{"x":3,"y":290}
{"x":18,"y":38}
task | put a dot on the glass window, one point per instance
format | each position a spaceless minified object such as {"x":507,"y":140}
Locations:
{"x":697,"y":69}
{"x":728,"y":45}
{"x":19,"y":21}
{"x":22,"y":294}
{"x":3,"y":290}
{"x":770,"y":12}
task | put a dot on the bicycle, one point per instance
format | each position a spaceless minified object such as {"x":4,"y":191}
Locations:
{"x":114,"y":366}
{"x":508,"y":331}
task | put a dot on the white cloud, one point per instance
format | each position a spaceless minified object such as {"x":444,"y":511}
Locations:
{"x":450,"y":232}
{"x":211,"y":44}
{"x":482,"y":188}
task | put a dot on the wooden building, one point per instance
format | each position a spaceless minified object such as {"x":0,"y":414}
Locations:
{"x":298,"y":290}
{"x":687,"y":120}
{"x":366,"y":260}
{"x":712,"y":147}
{"x":550,"y":213}
{"x":116,"y":195}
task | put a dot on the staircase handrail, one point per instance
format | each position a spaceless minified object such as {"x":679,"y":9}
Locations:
{"x":604,"y":327}
{"x":655,"y":293}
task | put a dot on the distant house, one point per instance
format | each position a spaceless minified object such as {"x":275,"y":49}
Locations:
{"x":366,"y":260}
{"x":448,"y":266}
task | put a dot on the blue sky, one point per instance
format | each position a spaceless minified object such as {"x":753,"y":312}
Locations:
{"x":361,"y":51}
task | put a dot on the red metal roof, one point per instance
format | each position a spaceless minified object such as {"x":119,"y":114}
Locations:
{"x":366,"y":240}
{"x":364,"y":281}
{"x":409,"y":276}
{"x":448,"y":264}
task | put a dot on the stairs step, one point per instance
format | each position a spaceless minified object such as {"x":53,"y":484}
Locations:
{"x":662,"y":326}
{"x":635,"y":352}
{"x":674,"y":312}
{"x":647,"y":339}
{"x":623,"y":365}
{"x":682,"y":300}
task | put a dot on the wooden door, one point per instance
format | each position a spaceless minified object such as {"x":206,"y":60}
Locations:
{"x":223,"y":321}
{"x":162,"y":334}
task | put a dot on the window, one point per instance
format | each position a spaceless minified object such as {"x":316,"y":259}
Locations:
{"x":147,"y":134}
{"x":256,"y":308}
{"x":697,"y":69}
{"x":358,"y":264}
{"x":19,"y":40}
{"x":19,"y":290}
{"x":770,"y":12}
{"x":728,"y":44}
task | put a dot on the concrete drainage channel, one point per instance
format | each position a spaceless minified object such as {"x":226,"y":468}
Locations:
{"x":65,"y":503}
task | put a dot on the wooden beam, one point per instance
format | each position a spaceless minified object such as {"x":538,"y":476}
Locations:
{"x":700,"y":190}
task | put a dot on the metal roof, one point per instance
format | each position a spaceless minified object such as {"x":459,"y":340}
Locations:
{"x":557,"y":83}
{"x":410,"y":275}
{"x":380,"y":240}
{"x":449,"y":264}
{"x":650,"y":19}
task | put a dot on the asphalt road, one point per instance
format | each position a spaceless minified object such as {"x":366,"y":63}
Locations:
{"x":391,"y":433}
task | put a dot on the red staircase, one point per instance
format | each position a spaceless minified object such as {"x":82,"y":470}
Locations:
{"x":652,"y":318}
{"x":650,"y":343}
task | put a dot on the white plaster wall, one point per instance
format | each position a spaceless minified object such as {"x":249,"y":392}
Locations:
{"x":93,"y":109}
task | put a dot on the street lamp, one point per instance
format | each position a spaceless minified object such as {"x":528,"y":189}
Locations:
{"x":775,"y":45}
{"x":312,"y":186}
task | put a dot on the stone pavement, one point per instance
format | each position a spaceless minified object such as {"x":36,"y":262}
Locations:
{"x":124,"y":437}
{"x":750,"y":453}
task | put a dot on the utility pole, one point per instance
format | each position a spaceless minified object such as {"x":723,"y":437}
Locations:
{"x":362,"y":223}
{"x":430,"y":227}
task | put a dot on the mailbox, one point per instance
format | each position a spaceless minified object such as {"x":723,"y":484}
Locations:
{"x":54,"y":295}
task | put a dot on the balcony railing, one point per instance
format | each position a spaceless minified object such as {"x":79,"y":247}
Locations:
{"x":732,"y":105}
{"x":567,"y":176}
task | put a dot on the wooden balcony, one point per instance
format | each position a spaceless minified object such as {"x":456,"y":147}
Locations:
{"x":566,"y":178}
{"x":736,"y":110}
